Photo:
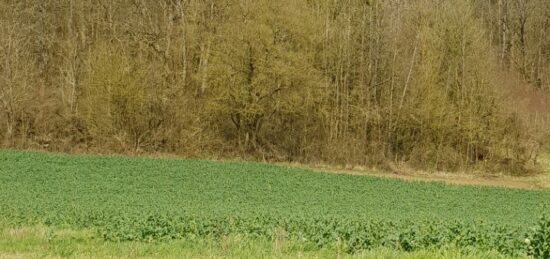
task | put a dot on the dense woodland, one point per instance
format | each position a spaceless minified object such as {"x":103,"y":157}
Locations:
{"x":435,"y":84}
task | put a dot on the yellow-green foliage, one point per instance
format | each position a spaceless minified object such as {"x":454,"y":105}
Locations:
{"x":118,"y":100}
{"x":455,"y":111}
{"x":349,"y":82}
{"x":264,"y":71}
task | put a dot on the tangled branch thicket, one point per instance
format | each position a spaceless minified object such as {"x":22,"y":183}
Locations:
{"x":445,"y":85}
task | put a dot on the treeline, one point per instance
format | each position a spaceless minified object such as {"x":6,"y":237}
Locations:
{"x":438,"y":84}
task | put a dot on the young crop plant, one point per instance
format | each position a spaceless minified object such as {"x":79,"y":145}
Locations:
{"x":146,"y":200}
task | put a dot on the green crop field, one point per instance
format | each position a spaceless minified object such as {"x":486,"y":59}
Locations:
{"x":123,"y":200}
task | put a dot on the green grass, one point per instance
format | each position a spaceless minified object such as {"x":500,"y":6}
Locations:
{"x":47,"y":242}
{"x":161,"y":200}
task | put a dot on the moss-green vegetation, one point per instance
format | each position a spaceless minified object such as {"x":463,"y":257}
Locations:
{"x":135,"y":199}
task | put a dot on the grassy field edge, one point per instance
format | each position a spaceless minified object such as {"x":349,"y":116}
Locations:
{"x":48,"y":242}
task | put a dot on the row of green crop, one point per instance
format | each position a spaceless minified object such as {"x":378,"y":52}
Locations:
{"x":354,"y":234}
